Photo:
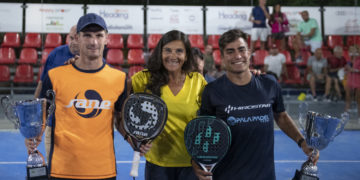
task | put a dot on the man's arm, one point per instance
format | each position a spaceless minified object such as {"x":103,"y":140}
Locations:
{"x":38,"y":89}
{"x":287,"y":125}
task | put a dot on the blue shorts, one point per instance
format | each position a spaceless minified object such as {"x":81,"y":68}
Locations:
{"x":155,"y":172}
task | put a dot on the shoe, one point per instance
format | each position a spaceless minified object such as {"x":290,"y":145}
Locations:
{"x":327,"y":98}
{"x":315,"y":99}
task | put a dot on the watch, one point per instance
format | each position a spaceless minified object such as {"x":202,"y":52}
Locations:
{"x":300,"y":141}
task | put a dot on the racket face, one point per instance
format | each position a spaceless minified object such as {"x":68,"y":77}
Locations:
{"x":207,"y":139}
{"x":144,"y":116}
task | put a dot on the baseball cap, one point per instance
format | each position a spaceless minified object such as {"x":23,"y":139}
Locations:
{"x":88,"y":19}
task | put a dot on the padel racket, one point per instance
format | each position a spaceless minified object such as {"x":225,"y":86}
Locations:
{"x":144,"y":117}
{"x":207,"y":140}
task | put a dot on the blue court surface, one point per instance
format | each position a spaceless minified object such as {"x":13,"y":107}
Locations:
{"x":340,"y":160}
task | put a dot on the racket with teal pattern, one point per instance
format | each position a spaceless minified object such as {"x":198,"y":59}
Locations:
{"x":207,"y":140}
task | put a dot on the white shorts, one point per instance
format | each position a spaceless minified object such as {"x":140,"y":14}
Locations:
{"x":313,"y":44}
{"x":261,"y":33}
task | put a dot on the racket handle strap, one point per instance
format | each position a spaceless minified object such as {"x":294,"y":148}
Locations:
{"x":135,"y":164}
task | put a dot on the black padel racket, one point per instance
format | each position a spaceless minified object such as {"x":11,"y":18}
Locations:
{"x":207,"y":140}
{"x":144,"y":117}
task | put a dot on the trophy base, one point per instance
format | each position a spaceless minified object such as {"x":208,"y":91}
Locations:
{"x":301,"y":176}
{"x":37,"y":173}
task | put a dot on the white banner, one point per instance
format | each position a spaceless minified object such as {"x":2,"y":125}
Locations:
{"x":220,"y":19}
{"x":52,"y":18}
{"x":188,"y":19}
{"x":342,"y":20}
{"x":11,"y":17}
{"x":294,"y":17}
{"x":121,"y":19}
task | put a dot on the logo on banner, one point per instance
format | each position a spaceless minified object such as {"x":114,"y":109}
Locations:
{"x":117,"y":14}
{"x":192,"y":18}
{"x":49,"y":10}
{"x":174,"y":19}
{"x":234,"y":15}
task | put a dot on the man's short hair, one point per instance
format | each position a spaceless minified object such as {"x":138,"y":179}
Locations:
{"x":230,"y":36}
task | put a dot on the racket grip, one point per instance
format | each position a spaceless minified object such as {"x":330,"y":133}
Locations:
{"x":135,"y":164}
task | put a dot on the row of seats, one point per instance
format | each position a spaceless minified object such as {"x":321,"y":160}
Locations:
{"x":25,"y":73}
{"x":32,"y":40}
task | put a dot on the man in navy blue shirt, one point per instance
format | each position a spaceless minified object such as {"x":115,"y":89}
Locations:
{"x":56,"y":58}
{"x":248,"y":104}
{"x":258,"y":17}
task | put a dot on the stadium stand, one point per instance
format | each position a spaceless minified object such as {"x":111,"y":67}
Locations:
{"x":334,"y":40}
{"x":24,"y":74}
{"x":32,"y":40}
{"x":115,"y":41}
{"x":53,"y":40}
{"x":153,"y":40}
{"x":287,"y":55}
{"x":45,"y":53}
{"x":196,"y":40}
{"x":28,"y":56}
{"x":213,"y":40}
{"x":294,"y":76}
{"x":7,"y":55}
{"x":351,"y":40}
{"x":11,"y":40}
{"x":259,"y":57}
{"x":134,"y":69}
{"x":135,"y":41}
{"x":115,"y":57}
{"x":217,"y":57}
{"x":136,"y":57}
{"x":290,"y":42}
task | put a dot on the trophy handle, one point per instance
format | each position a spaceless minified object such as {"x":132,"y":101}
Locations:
{"x":303,"y":110}
{"x":50,"y":93}
{"x":9,"y":111}
{"x":343,"y":121}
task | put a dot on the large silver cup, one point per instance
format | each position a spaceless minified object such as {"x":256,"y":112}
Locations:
{"x":31,"y":118}
{"x":319,"y":130}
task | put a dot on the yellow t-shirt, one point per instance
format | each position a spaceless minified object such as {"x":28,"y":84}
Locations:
{"x":168,"y":149}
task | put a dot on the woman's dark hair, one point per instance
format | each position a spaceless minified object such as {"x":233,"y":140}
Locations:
{"x":272,"y":16}
{"x":159,"y":75}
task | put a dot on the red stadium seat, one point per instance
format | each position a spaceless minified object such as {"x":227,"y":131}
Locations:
{"x":53,"y":40}
{"x":352,"y":40}
{"x":115,"y":41}
{"x":32,"y":40}
{"x":196,"y":40}
{"x":118,"y":67}
{"x":327,"y":53}
{"x":115,"y":57}
{"x":213,"y":40}
{"x":11,"y":40}
{"x":28,"y":56}
{"x":257,"y":43}
{"x":294,"y":76}
{"x":67,"y":40}
{"x":259,"y":57}
{"x":334,"y":40}
{"x":153,"y":40}
{"x":24,"y":74}
{"x":135,"y":41}
{"x":287,"y":56}
{"x":304,"y":56}
{"x":136,"y":56}
{"x":134,"y":69}
{"x":4,"y":73}
{"x":7,"y":55}
{"x":346,"y":55}
{"x":45,"y":53}
{"x":217,"y":57}
{"x":277,"y":42}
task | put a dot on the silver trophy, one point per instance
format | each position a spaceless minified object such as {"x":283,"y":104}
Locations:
{"x":31,"y":118}
{"x":319,"y":130}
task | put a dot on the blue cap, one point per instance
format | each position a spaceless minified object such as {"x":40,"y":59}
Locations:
{"x":88,"y":19}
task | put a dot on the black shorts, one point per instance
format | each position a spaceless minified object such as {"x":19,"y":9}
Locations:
{"x":155,"y":172}
{"x":280,"y":35}
{"x":333,"y":75}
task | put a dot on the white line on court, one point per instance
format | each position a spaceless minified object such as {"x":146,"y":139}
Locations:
{"x":142,"y":162}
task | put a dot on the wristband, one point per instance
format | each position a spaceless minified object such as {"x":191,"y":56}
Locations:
{"x":300,"y":141}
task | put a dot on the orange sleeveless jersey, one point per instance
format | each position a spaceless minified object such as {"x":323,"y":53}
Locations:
{"x":83,"y":146}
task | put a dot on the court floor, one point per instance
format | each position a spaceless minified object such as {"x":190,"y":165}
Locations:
{"x":340,"y":160}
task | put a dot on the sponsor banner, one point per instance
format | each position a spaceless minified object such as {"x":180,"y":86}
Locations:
{"x":11,"y":17}
{"x":121,"y":19}
{"x":188,"y":19}
{"x":52,"y":18}
{"x":220,"y":19}
{"x":342,"y":20}
{"x":294,"y":17}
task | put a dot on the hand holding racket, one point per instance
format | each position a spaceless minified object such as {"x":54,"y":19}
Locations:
{"x":207,"y":140}
{"x":144,"y":117}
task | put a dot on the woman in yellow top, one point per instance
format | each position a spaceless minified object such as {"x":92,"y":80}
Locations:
{"x":172,"y":75}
